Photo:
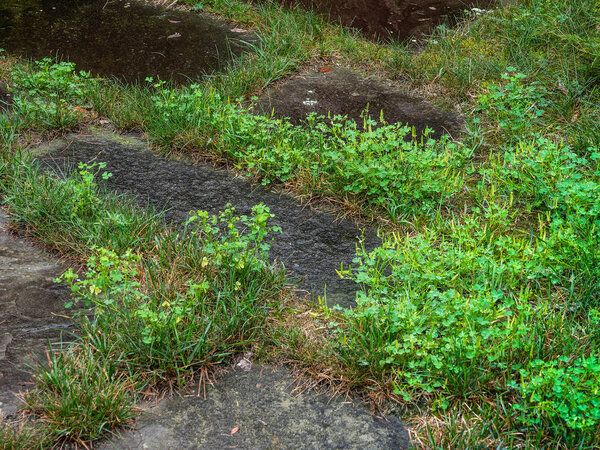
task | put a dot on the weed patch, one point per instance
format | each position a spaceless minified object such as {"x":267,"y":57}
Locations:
{"x":379,"y":167}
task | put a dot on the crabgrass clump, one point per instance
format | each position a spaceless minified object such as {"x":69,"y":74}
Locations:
{"x":73,"y":214}
{"x":81,"y":396}
{"x":23,"y":437}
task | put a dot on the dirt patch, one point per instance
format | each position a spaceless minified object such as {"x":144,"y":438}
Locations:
{"x":258,"y":410}
{"x":117,"y":38}
{"x":311,"y":246}
{"x":346,"y":93}
{"x":30,"y":305}
{"x":398,"y":19}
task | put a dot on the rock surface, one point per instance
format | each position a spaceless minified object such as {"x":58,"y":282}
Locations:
{"x":311,"y":246}
{"x":30,"y":309}
{"x":346,"y":93}
{"x":257,"y":409}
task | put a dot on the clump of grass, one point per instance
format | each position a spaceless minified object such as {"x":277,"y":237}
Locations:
{"x":206,"y":295}
{"x":81,"y":396}
{"x":72,"y":215}
{"x":23,"y":436}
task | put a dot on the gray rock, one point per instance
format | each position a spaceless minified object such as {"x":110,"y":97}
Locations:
{"x":30,"y":305}
{"x":346,"y":93}
{"x":259,"y":410}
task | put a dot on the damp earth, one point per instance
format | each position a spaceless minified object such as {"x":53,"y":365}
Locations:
{"x":129,"y":40}
{"x":312,"y":243}
{"x":397,"y":19}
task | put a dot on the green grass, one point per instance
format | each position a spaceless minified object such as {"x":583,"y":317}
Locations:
{"x":81,"y":396}
{"x":481,"y":321}
{"x":186,"y":299}
{"x":23,"y":437}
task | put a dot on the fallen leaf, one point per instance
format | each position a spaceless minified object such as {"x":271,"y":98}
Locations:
{"x":174,"y":35}
{"x":174,"y":21}
{"x":325,"y":69}
{"x":234,"y":430}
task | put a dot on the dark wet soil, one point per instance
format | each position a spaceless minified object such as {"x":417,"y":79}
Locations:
{"x":346,"y":93}
{"x":399,"y":19}
{"x":30,"y":305}
{"x":130,"y":40}
{"x":257,"y":410}
{"x":311,"y":246}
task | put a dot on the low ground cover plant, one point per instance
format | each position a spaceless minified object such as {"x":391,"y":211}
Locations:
{"x":51,"y":95}
{"x":466,"y":309}
{"x":381,"y":167}
{"x":482,"y":312}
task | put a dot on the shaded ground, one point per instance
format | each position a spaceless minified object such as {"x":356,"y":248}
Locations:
{"x":398,"y":19}
{"x":130,"y":40}
{"x":29,"y":302}
{"x":6,"y":97}
{"x":311,"y":246}
{"x":261,"y":408}
{"x":343,"y":92}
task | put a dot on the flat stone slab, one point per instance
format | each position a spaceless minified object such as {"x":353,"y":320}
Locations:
{"x":311,"y":246}
{"x":346,"y":93}
{"x":117,"y":38}
{"x":258,"y":409}
{"x":399,"y":19}
{"x":30,"y":305}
